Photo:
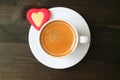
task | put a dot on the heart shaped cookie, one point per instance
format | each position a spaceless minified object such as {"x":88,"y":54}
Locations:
{"x":37,"y":17}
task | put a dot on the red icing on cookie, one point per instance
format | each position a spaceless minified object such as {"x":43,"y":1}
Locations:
{"x":37,"y":17}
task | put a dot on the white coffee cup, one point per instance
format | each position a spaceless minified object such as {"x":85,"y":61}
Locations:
{"x":79,"y":39}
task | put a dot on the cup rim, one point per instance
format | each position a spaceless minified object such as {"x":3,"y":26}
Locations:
{"x":76,"y":42}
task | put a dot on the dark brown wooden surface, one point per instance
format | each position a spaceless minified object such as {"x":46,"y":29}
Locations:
{"x":102,"y":61}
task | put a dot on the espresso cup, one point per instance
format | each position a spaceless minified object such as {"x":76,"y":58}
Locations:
{"x":59,"y":38}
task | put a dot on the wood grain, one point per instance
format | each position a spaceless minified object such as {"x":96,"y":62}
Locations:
{"x":102,"y":61}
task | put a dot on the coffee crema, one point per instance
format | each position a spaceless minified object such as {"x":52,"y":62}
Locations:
{"x":58,"y":38}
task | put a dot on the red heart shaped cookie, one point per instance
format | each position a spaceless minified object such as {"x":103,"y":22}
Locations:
{"x":37,"y":17}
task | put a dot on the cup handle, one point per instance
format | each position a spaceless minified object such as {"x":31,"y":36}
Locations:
{"x":84,"y":39}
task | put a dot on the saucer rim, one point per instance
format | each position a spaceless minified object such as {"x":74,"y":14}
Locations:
{"x":54,"y":67}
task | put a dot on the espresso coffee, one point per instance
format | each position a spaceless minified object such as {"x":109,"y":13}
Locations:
{"x":58,"y":38}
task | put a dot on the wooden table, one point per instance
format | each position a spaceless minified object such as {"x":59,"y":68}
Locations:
{"x":102,"y":61}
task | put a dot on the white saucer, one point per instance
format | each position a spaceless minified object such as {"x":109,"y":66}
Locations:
{"x":68,"y":61}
